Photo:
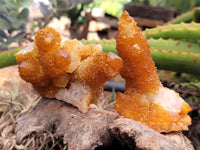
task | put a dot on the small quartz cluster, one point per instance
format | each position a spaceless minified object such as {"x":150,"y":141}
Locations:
{"x":145,"y":99}
{"x":68,"y":71}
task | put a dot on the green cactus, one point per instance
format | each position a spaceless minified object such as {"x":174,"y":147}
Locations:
{"x":107,"y":45}
{"x":178,"y":61}
{"x":185,"y":17}
{"x":196,"y":14}
{"x":187,"y":31}
{"x":175,"y":45}
{"x":7,"y":58}
{"x":192,"y":15}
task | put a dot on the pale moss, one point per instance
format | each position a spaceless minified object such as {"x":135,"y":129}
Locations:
{"x":12,"y":105}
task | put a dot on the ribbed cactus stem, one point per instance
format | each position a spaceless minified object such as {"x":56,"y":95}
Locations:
{"x":7,"y":58}
{"x":196,"y":14}
{"x":175,"y":45}
{"x":185,"y":17}
{"x":174,"y":60}
{"x":178,"y":61}
{"x":107,"y":45}
{"x":192,"y":15}
{"x":187,"y":31}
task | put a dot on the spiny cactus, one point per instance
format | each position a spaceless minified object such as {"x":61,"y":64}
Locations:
{"x":175,"y":45}
{"x":178,"y":61}
{"x":107,"y":45}
{"x":192,"y":15}
{"x":187,"y":31}
{"x":165,"y":44}
{"x":7,"y":58}
{"x":185,"y":17}
{"x":196,"y":14}
{"x":174,"y":60}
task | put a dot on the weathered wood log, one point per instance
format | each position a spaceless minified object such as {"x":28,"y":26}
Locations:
{"x":135,"y":134}
{"x":79,"y":131}
{"x":102,"y":129}
{"x":94,"y":129}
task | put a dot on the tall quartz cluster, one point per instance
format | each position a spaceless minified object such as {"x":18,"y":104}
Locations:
{"x":145,"y":99}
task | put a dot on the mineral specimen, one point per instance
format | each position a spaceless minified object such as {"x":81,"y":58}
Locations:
{"x":68,"y":71}
{"x":145,"y":99}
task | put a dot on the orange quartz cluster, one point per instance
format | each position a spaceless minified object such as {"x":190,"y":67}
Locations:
{"x":69,"y":71}
{"x":145,"y":99}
